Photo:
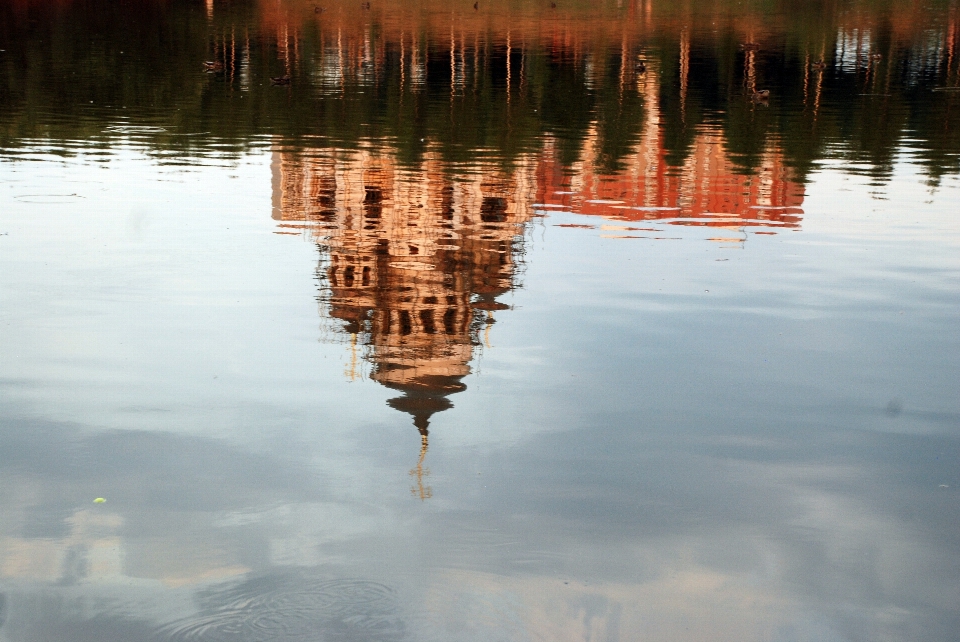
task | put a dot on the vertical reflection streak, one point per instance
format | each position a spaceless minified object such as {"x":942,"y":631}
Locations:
{"x":340,"y":63}
{"x":806,"y":80}
{"x":684,"y":71}
{"x":296,"y":50}
{"x":623,"y":63}
{"x":476,"y":62}
{"x":509,"y":53}
{"x":421,"y":491}
{"x":951,"y":45}
{"x":816,"y":97}
{"x":453,"y":66}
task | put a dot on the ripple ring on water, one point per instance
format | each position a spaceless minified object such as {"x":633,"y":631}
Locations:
{"x":212,"y":627}
{"x":295,"y":610}
{"x":134,"y":129}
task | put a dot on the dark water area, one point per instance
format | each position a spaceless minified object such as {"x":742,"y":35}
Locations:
{"x":520,"y":320}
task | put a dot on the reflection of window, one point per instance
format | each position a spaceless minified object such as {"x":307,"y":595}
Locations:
{"x":493,"y":210}
{"x":372,"y":199}
{"x":446,"y":203}
{"x":426,"y":317}
{"x":406,"y":326}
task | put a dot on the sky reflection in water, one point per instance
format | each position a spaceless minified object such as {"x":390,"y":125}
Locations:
{"x":478,"y":328}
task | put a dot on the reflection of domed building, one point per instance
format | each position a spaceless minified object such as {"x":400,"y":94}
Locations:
{"x":414,"y":260}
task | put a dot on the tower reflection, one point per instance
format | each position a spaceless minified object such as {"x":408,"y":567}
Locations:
{"x":412,"y":262}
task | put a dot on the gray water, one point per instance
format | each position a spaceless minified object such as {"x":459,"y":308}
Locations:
{"x":473,"y":327}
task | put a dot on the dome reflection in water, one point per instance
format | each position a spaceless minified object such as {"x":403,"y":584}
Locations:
{"x":637,"y":320}
{"x":413,"y":261}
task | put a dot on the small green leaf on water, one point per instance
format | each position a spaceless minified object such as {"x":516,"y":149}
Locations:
{"x":99,"y":500}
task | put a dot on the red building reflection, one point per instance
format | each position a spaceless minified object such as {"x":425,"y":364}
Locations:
{"x":709,"y":189}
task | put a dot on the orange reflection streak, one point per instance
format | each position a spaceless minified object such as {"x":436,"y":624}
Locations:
{"x":419,"y":472}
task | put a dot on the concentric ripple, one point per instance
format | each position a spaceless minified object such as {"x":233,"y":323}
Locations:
{"x":292,"y":606}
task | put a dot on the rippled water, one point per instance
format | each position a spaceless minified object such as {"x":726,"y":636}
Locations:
{"x":507,"y":321}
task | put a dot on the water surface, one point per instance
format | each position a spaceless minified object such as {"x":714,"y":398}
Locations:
{"x":434,"y":321}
